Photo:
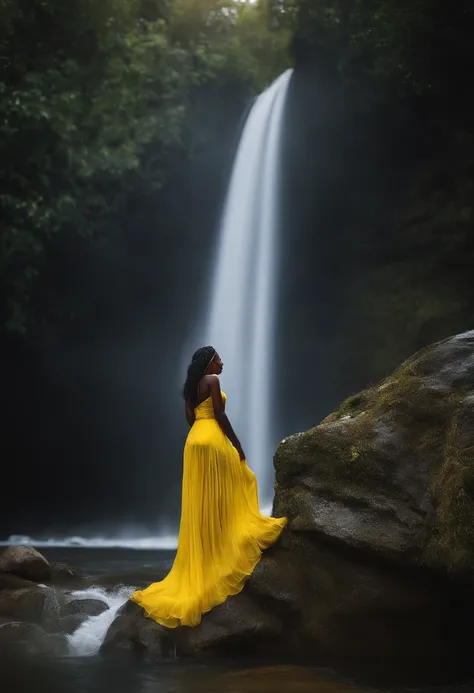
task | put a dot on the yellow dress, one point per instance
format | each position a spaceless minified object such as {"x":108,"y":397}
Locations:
{"x":221,"y":535}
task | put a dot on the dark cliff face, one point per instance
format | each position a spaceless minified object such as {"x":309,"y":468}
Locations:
{"x":381,"y":228}
{"x":380,"y":241}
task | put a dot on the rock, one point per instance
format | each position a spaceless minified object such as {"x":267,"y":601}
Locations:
{"x":66,"y":625}
{"x":65,"y":577}
{"x":307,"y":601}
{"x":69,"y":624}
{"x":53,"y":605}
{"x":133,"y":633}
{"x":26,"y":601}
{"x":240,"y":625}
{"x":85,"y":608}
{"x":29,"y":638}
{"x":21,"y":600}
{"x":374,"y":572}
{"x":13,"y":582}
{"x":25,"y":562}
{"x":392,"y":471}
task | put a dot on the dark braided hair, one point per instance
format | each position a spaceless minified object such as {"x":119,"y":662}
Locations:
{"x":196,"y":370}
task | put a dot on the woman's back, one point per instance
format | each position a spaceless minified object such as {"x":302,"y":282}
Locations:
{"x":205,"y":410}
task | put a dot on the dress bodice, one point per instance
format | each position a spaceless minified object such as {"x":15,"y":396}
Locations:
{"x":205,"y":410}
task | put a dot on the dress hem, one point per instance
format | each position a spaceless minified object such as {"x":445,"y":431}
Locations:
{"x":231,"y":593}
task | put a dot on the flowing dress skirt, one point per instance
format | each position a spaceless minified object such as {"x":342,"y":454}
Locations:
{"x":222,"y":533}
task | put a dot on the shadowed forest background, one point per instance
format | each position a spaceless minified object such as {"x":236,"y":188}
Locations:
{"x":118,"y":126}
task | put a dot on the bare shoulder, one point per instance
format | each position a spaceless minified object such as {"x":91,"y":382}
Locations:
{"x":212,"y":380}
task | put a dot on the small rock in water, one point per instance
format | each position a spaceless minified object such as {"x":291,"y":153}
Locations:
{"x":83,"y":607}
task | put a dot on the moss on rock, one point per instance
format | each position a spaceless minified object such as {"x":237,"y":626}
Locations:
{"x":396,"y":461}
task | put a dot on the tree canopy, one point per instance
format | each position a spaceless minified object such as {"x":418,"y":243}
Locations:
{"x":95,"y":97}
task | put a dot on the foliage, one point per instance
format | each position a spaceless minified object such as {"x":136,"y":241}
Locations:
{"x":94,"y":96}
{"x":96,"y":99}
{"x":385,"y":49}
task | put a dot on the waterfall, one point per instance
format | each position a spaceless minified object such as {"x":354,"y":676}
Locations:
{"x":241,"y":319}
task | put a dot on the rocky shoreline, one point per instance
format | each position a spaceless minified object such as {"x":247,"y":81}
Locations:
{"x":374,"y":573}
{"x":35,"y":612}
{"x":42,"y":603}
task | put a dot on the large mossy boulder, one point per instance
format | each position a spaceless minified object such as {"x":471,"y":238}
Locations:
{"x":374,"y":572}
{"x":392,"y":470}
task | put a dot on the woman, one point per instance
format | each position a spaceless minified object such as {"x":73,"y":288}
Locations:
{"x":222,"y":533}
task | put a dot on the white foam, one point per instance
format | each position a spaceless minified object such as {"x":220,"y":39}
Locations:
{"x":87,"y":639}
{"x":168,"y":542}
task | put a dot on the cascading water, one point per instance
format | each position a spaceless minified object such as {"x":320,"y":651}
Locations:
{"x":88,"y":638}
{"x":242,"y":311}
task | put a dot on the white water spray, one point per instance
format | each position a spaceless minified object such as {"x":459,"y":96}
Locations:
{"x":162,"y":542}
{"x":242,"y":313}
{"x":90,"y":635}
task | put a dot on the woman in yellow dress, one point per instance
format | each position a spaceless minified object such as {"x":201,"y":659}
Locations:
{"x":222,"y":533}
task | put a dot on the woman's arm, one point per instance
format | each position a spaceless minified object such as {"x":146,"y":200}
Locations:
{"x":221,"y":417}
{"x":189,"y":414}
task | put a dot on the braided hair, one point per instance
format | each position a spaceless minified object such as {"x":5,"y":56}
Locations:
{"x":196,"y":371}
